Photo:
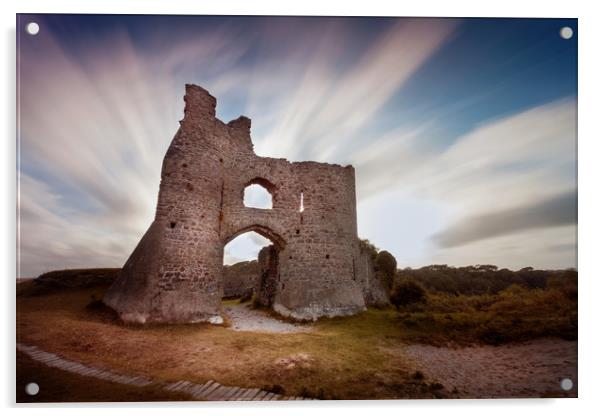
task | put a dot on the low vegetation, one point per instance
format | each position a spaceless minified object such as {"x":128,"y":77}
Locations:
{"x":483,"y":304}
{"x":439,"y":304}
{"x":61,"y":280}
{"x":511,"y":315}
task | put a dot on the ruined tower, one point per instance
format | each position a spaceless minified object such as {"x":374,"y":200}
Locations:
{"x":175,"y":273}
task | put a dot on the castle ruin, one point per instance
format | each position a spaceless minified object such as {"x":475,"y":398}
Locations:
{"x":314,"y":266}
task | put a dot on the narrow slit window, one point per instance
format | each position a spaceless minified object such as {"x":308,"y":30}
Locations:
{"x":301,"y":207}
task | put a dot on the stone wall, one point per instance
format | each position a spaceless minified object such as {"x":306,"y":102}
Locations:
{"x":373,"y":289}
{"x":266,"y":285}
{"x":175,"y":274}
{"x":262,"y":277}
{"x":240,"y":278}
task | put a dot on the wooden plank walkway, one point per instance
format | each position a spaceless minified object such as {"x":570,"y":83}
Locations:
{"x":211,"y":390}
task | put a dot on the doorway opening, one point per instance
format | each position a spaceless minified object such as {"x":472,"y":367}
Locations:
{"x":251,"y":270}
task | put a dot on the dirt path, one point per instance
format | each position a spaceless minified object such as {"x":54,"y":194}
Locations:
{"x":530,"y":369}
{"x":210,"y":390}
{"x":243,"y":318}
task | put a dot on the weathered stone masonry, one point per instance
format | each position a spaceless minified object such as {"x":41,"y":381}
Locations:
{"x":175,"y":273}
{"x":240,"y":278}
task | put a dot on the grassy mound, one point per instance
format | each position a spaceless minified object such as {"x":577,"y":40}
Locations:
{"x":59,"y":280}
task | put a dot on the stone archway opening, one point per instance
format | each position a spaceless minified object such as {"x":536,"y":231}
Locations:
{"x":251,"y":265}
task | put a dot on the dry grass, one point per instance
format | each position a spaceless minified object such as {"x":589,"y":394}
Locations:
{"x":341,"y":359}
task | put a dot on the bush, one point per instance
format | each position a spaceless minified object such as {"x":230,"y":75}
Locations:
{"x":371,"y":249}
{"x":407,"y":292}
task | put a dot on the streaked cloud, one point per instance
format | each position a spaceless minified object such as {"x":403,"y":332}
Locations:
{"x":328,"y":107}
{"x":98,"y":113}
{"x":506,"y":177}
{"x":557,"y":211}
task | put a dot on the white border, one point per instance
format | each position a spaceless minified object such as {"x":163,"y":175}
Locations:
{"x":590,"y":205}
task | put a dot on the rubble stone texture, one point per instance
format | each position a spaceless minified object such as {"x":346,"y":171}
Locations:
{"x":175,"y":274}
{"x":240,"y":278}
{"x":266,"y":285}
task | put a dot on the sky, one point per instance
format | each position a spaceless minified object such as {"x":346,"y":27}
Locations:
{"x":462,"y":132}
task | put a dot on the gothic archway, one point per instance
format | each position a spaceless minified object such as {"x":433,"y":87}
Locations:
{"x":266,"y":277}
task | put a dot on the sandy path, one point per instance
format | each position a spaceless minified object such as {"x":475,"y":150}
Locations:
{"x":244,"y":318}
{"x":211,"y":390}
{"x":530,"y":369}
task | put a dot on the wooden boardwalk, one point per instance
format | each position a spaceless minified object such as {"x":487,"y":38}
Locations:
{"x":211,"y":390}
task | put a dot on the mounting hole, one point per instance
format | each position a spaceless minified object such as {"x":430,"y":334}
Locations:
{"x":172,"y":225}
{"x":566,"y":384}
{"x":32,"y":28}
{"x":566,"y":32}
{"x":32,"y":389}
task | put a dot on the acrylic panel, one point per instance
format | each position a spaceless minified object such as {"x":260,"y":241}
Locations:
{"x":243,"y":208}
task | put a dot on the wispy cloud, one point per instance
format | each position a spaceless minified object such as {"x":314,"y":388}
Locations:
{"x":330,"y":107}
{"x":97,"y":115}
{"x":552,"y":212}
{"x":97,"y":118}
{"x":503,"y":184}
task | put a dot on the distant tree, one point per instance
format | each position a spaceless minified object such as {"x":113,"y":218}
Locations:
{"x":386,"y":266}
{"x":487,"y":279}
{"x":438,"y":267}
{"x":486,"y":268}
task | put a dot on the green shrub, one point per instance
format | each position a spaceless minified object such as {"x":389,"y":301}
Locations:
{"x":407,"y":292}
{"x":371,"y":249}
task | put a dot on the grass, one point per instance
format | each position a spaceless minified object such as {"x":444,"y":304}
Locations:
{"x":350,"y":354}
{"x":342,"y":358}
